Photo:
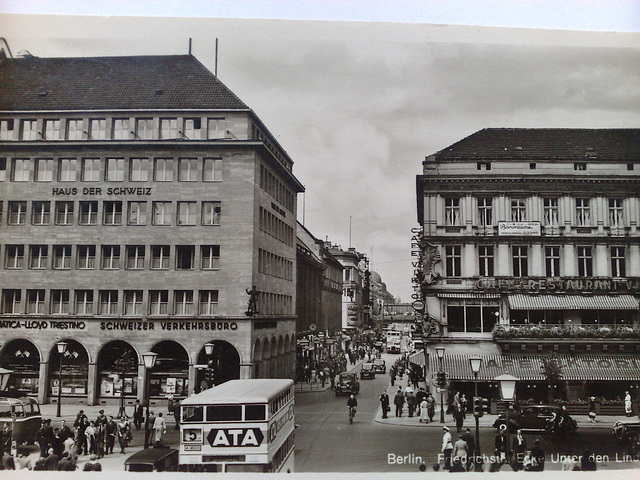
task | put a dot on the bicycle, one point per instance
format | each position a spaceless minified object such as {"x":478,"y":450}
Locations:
{"x":352,"y":413}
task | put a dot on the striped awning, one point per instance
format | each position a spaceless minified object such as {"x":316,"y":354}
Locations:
{"x":529,"y":367}
{"x":417,"y":357}
{"x":487,"y":296}
{"x":572,"y":302}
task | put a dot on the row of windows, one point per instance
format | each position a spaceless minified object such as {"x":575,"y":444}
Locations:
{"x":520,"y":261}
{"x":111,"y":213}
{"x":272,"y":264}
{"x":577,"y":166}
{"x":281,"y":400}
{"x":274,"y":187}
{"x":110,"y":302}
{"x":472,"y":316}
{"x":133,"y":169}
{"x":123,"y":128}
{"x":275,"y":227}
{"x":584,"y":216}
{"x":85,"y":257}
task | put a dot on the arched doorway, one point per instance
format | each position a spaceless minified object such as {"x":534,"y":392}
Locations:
{"x":75,"y":370}
{"x":23,"y":358}
{"x":170,"y":376}
{"x":117,"y":371}
{"x":222,"y":365}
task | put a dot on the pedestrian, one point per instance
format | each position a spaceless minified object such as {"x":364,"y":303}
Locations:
{"x":65,"y":431}
{"x":138,"y":414}
{"x":56,"y":442}
{"x":66,"y":464}
{"x":424,"y":411}
{"x":500,"y":442}
{"x":538,"y":456}
{"x":411,"y":400}
{"x":392,"y":374}
{"x":68,"y":445}
{"x":90,"y":433}
{"x":151,"y":418}
{"x":420,"y":395}
{"x":123,"y":433}
{"x":159,"y":427}
{"x":519,"y":449}
{"x":398,"y":401}
{"x":42,"y":437}
{"x":628,"y":407}
{"x":92,"y":465}
{"x":460,"y":451}
{"x":447,"y":447}
{"x":111,"y":432}
{"x":587,"y":462}
{"x":464,"y":404}
{"x":592,"y":410}
{"x":458,"y":415}
{"x":23,"y":462}
{"x":81,"y":424}
{"x":384,"y":403}
{"x":470,"y":440}
{"x":170,"y":404}
{"x":431,"y":406}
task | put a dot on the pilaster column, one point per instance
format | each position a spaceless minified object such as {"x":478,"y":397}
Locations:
{"x":246,"y":370}
{"x":192,"y":379}
{"x":91,"y":384}
{"x":43,"y":383}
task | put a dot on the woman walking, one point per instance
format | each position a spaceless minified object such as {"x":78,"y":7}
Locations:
{"x":124,"y":433}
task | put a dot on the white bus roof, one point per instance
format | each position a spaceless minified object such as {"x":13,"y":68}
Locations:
{"x":259,"y":390}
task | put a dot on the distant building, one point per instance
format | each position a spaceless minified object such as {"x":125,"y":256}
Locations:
{"x":532,"y":247}
{"x":141,"y":201}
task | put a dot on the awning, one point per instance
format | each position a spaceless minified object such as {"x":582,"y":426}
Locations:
{"x":469,"y":295}
{"x":417,"y":357}
{"x":573,"y":302}
{"x":529,"y":367}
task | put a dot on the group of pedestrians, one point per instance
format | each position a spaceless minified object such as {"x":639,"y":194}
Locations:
{"x":420,"y":403}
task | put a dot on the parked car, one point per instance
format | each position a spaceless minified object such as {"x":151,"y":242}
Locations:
{"x":347,"y":383}
{"x":534,"y":417}
{"x":380,"y":365}
{"x":153,"y":460}
{"x":627,"y":430}
{"x":367,"y":371}
{"x":23,"y":417}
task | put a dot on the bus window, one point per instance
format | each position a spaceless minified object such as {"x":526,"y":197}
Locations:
{"x":224,"y":413}
{"x":192,"y":414}
{"x":5,"y":411}
{"x":18,"y":410}
{"x":254,"y":412}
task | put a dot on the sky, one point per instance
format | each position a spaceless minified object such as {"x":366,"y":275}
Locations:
{"x":358,"y":93}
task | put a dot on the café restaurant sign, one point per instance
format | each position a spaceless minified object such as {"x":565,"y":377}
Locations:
{"x":560,"y":284}
{"x":519,"y":229}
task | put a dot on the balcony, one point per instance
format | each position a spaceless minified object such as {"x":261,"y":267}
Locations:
{"x":570,"y":333}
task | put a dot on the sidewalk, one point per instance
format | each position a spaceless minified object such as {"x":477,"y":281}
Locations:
{"x":487,"y":420}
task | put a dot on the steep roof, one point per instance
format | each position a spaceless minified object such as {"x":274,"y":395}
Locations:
{"x":94,"y":83}
{"x":546,"y":143}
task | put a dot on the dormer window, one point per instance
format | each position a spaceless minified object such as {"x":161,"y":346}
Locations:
{"x":580,"y":166}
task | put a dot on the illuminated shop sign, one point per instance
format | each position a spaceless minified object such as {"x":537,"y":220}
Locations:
{"x":567,"y":284}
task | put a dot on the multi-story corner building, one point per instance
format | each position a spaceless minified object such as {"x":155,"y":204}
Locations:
{"x":531,"y":246}
{"x":319,"y":287}
{"x":380,"y":298}
{"x":141,"y":201}
{"x":355,"y":311}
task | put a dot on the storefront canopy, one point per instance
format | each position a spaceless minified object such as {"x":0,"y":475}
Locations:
{"x":572,"y":302}
{"x":529,"y":367}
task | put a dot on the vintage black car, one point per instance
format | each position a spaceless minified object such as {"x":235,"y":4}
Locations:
{"x":347,"y":384}
{"x":368,"y":371}
{"x":627,"y":430}
{"x":153,"y":460}
{"x":379,"y":365}
{"x":535,"y":417}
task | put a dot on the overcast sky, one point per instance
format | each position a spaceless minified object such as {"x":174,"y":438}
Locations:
{"x":358,"y":105}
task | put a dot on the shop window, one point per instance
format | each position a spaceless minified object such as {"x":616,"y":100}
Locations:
{"x":117,"y":368}
{"x":75,"y":370}
{"x":22,"y":358}
{"x":455,"y":319}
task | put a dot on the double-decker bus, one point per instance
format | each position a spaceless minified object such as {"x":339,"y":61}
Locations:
{"x":239,"y":426}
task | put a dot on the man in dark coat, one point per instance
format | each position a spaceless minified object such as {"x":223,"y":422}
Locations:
{"x":501,"y":440}
{"x":51,"y":461}
{"x":538,"y":454}
{"x":398,"y":401}
{"x":65,"y":431}
{"x":519,"y":449}
{"x":384,"y":402}
{"x":138,"y":414}
{"x":66,"y":464}
{"x":111,"y":430}
{"x":468,"y":437}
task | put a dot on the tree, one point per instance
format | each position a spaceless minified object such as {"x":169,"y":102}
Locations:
{"x":552,"y":373}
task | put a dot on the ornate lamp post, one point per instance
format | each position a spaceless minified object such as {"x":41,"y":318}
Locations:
{"x":440,"y":352}
{"x":149,"y":359}
{"x":508,"y":392}
{"x":62,"y":348}
{"x":476,"y":363}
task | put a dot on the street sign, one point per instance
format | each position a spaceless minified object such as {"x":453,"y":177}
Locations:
{"x":418,"y":305}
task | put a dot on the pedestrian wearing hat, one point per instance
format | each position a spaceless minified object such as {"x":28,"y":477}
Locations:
{"x":447,"y":447}
{"x":384,"y":402}
{"x":398,"y":401}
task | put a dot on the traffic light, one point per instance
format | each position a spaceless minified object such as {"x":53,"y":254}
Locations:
{"x":442,"y":379}
{"x":477,"y":407}
{"x":486,"y":408}
{"x":210,"y":373}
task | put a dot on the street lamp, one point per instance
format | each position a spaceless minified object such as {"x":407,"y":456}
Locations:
{"x":149,"y":359}
{"x":440,"y":352}
{"x":62,"y":348}
{"x":476,"y":363}
{"x":508,"y":393}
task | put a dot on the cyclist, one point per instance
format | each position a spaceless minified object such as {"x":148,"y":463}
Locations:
{"x":352,"y":403}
